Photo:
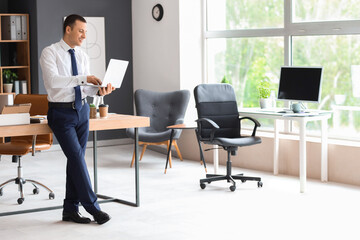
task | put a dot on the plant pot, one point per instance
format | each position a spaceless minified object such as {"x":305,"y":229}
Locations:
{"x":8,"y":87}
{"x":340,"y":99}
{"x":265,"y":103}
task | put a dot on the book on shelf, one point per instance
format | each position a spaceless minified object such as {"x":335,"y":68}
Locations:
{"x":8,"y":27}
{"x":24,"y":35}
{"x":18,"y":27}
{"x":17,"y":86}
{"x":23,"y":86}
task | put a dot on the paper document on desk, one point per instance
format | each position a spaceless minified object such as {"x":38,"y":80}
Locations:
{"x":14,"y":119}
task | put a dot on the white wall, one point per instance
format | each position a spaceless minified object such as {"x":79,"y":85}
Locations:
{"x":167,"y":55}
{"x":156,"y":57}
{"x":191,"y":50}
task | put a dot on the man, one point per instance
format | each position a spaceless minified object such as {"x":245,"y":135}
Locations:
{"x":65,"y":70}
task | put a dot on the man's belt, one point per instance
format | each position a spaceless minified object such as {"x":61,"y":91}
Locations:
{"x":65,"y":104}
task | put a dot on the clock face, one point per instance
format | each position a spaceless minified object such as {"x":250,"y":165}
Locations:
{"x":157,"y":12}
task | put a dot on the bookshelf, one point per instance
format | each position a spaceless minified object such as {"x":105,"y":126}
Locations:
{"x":15,"y":54}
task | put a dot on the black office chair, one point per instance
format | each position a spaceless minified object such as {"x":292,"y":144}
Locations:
{"x":219,"y":124}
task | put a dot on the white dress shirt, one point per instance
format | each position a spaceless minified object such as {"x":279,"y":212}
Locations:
{"x":55,"y":62}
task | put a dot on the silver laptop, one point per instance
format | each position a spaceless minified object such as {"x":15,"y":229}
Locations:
{"x":115,"y":73}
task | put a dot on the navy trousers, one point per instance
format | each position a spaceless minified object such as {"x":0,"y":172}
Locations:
{"x":71,"y":128}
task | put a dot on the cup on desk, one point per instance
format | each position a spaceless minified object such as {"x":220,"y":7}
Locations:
{"x":296,"y":107}
{"x":93,"y":111}
{"x":103,"y":109}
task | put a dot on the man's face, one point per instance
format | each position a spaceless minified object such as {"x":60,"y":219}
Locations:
{"x":77,"y":34}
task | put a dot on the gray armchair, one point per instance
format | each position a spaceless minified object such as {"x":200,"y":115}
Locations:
{"x":163,"y":109}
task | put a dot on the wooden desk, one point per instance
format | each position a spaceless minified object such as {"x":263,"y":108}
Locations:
{"x":114,"y":121}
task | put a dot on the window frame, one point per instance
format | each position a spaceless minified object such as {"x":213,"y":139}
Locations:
{"x":290,"y":29}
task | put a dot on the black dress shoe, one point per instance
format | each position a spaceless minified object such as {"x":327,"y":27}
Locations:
{"x":101,"y":217}
{"x":74,"y":217}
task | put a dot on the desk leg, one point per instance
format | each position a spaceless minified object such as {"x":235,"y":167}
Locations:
{"x":302,"y":146}
{"x":137,"y":167}
{"x":324,"y":150}
{"x":169,"y":149}
{"x":95,"y":160}
{"x":112,"y":199}
{"x":276,"y":147}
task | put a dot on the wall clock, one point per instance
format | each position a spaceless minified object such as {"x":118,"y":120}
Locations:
{"x":157,"y":12}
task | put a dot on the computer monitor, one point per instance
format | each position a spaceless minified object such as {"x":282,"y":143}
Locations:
{"x":300,"y":84}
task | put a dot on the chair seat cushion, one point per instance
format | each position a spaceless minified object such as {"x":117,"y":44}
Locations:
{"x":15,"y":148}
{"x":240,"y":142}
{"x":150,"y":135}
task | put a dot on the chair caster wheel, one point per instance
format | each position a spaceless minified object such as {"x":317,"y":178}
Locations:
{"x":20,"y":200}
{"x":36,"y":191}
{"x":232,"y":188}
{"x":1,"y":192}
{"x":243,"y":181}
{"x":202,"y":185}
{"x":51,"y":195}
{"x":260,"y":184}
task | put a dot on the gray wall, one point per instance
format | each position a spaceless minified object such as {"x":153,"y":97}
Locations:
{"x":46,"y":18}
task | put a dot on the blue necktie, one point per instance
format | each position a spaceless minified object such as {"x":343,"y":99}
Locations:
{"x":78,"y":104}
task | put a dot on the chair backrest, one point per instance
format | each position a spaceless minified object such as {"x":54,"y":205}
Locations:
{"x":39,"y":106}
{"x":218,"y":103}
{"x":39,"y":103}
{"x":163,"y":108}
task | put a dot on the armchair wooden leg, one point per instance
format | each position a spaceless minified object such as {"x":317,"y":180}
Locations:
{"x":133,"y":159}
{"x":178,"y":150}
{"x":142,"y":153}
{"x":168,"y":146}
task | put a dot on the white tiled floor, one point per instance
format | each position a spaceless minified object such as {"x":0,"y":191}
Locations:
{"x":173,"y":206}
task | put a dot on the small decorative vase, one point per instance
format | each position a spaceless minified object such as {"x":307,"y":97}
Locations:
{"x":265,"y":103}
{"x":8,"y":87}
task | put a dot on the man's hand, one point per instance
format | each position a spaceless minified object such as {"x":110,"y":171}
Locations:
{"x":94,"y":80}
{"x":106,"y":90}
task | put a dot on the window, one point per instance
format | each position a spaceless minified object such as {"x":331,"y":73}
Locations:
{"x":315,"y":10}
{"x":249,"y":40}
{"x":246,"y":14}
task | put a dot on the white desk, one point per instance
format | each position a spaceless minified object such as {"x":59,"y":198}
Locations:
{"x":303,"y":120}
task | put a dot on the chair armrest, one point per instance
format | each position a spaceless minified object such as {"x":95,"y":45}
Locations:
{"x":211,"y":122}
{"x":256,"y":123}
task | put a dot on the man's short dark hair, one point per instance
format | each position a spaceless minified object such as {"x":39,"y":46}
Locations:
{"x":70,"y":21}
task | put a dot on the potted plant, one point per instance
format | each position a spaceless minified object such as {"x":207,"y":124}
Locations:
{"x":264,"y":93}
{"x":93,"y":110}
{"x":225,"y":80}
{"x":8,"y":80}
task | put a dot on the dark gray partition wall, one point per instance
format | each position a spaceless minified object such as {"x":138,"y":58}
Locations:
{"x":46,"y":17}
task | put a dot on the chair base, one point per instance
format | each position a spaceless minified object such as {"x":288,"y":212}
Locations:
{"x":21,"y":181}
{"x":228,"y":177}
